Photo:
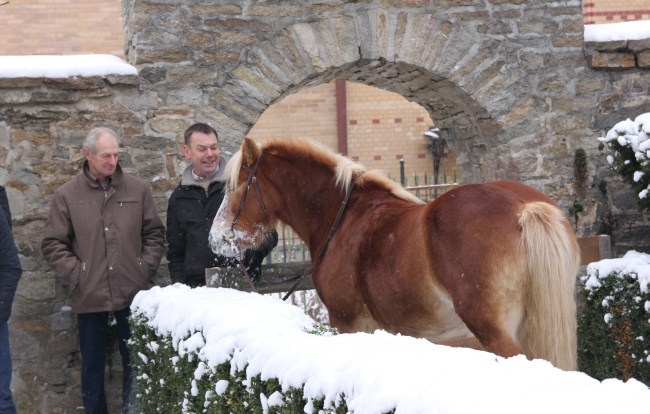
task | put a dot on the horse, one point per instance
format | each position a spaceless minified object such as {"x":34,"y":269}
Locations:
{"x":491,"y":265}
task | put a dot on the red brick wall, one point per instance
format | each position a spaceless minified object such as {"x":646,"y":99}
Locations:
{"x":382,"y":127}
{"x":615,"y":11}
{"x":61,"y":27}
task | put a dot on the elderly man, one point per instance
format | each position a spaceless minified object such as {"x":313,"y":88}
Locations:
{"x":191,"y":210}
{"x":103,"y":237}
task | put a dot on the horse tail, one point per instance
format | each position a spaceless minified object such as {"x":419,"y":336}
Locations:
{"x":553,"y":260}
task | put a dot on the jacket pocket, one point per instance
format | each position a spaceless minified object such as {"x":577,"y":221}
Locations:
{"x":82,"y":278}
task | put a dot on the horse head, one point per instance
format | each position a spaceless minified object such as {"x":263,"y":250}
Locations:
{"x":243,"y":220}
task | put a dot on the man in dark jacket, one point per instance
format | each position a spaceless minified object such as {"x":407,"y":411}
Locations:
{"x":4,"y":203}
{"x":192,"y":208}
{"x":104,"y":237}
{"x":10,"y":273}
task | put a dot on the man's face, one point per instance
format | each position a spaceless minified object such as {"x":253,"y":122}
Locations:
{"x":203,"y":152}
{"x":103,"y":164}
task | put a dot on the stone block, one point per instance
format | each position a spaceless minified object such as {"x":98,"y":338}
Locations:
{"x":517,"y":2}
{"x":457,"y":47}
{"x":485,"y":76}
{"x":198,"y":40}
{"x":17,"y":83}
{"x":192,"y":74}
{"x":256,"y":81}
{"x":223,"y":58}
{"x":538,"y":28}
{"x":366,"y":40}
{"x":639,"y":45}
{"x":455,"y":3}
{"x":156,"y":38}
{"x":308,"y":41}
{"x":610,"y":46}
{"x":379,"y":28}
{"x":279,"y":9}
{"x":123,"y":79}
{"x":212,"y":9}
{"x":590,"y":85}
{"x":15,"y":97}
{"x":564,"y":125}
{"x":37,"y":286}
{"x":643,"y":59}
{"x":328,"y":43}
{"x":346,"y":35}
{"x":573,"y":25}
{"x":168,"y":125}
{"x":612,"y":60}
{"x":142,"y":56}
{"x":568,"y":41}
{"x":413,"y":51}
{"x":236,"y":40}
{"x":531,"y":61}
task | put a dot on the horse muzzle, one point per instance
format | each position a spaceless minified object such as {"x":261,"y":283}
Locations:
{"x":224,"y":242}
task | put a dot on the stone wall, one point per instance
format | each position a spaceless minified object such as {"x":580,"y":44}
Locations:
{"x":509,"y":79}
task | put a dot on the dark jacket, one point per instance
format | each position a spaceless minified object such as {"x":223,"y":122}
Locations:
{"x":190,"y":213}
{"x":10,"y":270}
{"x":4,"y":204}
{"x":107,"y":244}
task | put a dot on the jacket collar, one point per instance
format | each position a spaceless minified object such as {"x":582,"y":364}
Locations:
{"x":188,"y":179}
{"x":117,"y":176}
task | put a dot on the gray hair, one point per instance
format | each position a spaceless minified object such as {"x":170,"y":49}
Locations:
{"x":90,"y":143}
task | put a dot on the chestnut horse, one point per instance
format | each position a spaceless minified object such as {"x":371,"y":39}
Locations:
{"x":495,"y":262}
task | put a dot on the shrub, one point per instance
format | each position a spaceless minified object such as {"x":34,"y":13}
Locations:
{"x":169,"y":379}
{"x":630,"y":142}
{"x":614,"y":325}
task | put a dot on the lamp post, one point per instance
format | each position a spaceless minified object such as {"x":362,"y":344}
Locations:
{"x":436,"y":146}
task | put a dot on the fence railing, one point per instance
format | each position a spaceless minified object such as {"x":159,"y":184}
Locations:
{"x":429,"y":193}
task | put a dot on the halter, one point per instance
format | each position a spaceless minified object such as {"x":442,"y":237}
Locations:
{"x":253,"y":179}
{"x":322,"y":250}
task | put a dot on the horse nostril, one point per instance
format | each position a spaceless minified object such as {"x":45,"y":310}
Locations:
{"x":228,"y":235}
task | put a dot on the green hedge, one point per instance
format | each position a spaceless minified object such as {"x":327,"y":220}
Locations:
{"x":165,"y":381}
{"x":614,"y":327}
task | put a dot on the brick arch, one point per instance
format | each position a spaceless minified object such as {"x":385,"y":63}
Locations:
{"x":444,"y":70}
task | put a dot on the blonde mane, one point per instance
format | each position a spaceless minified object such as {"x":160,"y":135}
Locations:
{"x":344,"y":169}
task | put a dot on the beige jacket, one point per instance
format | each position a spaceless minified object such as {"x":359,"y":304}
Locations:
{"x":106,"y":245}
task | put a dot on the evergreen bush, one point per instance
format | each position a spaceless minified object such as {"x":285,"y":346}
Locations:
{"x":167,"y":380}
{"x":614,"y":324}
{"x":629,"y":142}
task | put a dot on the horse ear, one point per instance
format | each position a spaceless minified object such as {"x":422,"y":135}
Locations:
{"x":249,"y":151}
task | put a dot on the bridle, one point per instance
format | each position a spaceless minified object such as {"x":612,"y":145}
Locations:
{"x":253,"y":179}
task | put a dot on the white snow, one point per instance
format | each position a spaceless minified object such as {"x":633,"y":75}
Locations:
{"x":377,"y":372}
{"x":63,"y":66}
{"x":635,"y":30}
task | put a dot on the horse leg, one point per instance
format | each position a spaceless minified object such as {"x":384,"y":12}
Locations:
{"x":492,"y":307}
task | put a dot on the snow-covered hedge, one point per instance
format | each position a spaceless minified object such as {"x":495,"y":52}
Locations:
{"x":630,"y":143}
{"x":210,"y":350}
{"x":614,"y":325}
